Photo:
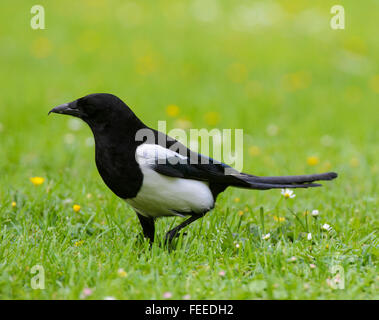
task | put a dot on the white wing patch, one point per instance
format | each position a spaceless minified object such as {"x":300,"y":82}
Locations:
{"x":149,"y":153}
{"x":161,"y":195}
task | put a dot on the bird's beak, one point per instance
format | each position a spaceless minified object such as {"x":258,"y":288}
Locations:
{"x":67,"y":108}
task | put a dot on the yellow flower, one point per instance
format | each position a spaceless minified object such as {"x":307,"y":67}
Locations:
{"x":236,"y":199}
{"x":212,"y":118}
{"x":279,"y":219}
{"x":41,"y":47}
{"x":354,"y":162}
{"x":78,"y":243}
{"x":254,"y":151}
{"x":14,"y":204}
{"x":297,"y":81}
{"x":146,"y":64}
{"x":37,"y":181}
{"x":76,"y":208}
{"x":237,"y":72}
{"x":374,"y":83}
{"x":240,"y":213}
{"x":313,"y":160}
{"x":121,"y":272}
{"x":172,"y":110}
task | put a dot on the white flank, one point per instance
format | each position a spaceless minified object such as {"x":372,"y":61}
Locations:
{"x":161,"y":195}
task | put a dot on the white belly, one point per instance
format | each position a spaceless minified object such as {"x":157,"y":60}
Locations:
{"x":167,"y":196}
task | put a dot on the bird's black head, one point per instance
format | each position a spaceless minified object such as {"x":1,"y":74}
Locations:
{"x":97,"y":109}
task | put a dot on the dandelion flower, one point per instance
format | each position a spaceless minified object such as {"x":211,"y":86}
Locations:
{"x":313,"y":160}
{"x":172,"y":110}
{"x":279,"y":219}
{"x":167,"y":295}
{"x":76,"y":207}
{"x":236,"y":200}
{"x":121,"y":272}
{"x":266,"y":236}
{"x":78,"y":243}
{"x":240,"y":213}
{"x":254,"y":151}
{"x":41,"y":47}
{"x":374,"y":83}
{"x":354,"y":162}
{"x":212,"y":118}
{"x":14,"y":204}
{"x":37,"y":181}
{"x":287,"y":193}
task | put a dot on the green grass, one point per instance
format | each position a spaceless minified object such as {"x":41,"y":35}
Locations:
{"x":319,"y":88}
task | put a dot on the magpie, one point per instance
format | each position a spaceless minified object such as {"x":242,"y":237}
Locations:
{"x":156,"y":174}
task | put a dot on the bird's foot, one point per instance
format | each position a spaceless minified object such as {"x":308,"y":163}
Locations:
{"x":171,"y":235}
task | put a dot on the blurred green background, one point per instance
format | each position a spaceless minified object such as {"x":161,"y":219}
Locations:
{"x":305,"y":95}
{"x":264,"y":66}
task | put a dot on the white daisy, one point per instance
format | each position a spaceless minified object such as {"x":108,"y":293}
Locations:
{"x":266,"y":236}
{"x":287,"y":193}
{"x":315,"y":213}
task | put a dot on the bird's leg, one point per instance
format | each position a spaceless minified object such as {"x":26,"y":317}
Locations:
{"x":148,"y":226}
{"x":170,"y":235}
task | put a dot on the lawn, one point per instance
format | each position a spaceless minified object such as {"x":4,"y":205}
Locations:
{"x":305,"y":95}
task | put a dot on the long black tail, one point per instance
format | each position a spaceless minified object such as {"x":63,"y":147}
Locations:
{"x":303,"y":181}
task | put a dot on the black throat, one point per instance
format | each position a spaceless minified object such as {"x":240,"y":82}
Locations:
{"x":115,"y":149}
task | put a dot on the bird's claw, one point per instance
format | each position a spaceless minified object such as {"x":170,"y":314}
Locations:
{"x":171,"y":235}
